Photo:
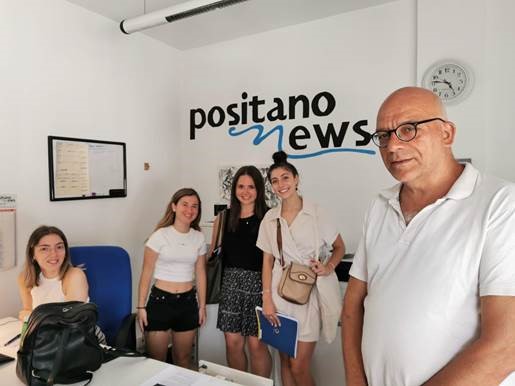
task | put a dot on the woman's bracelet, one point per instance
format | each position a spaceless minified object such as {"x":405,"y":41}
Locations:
{"x":141,"y":308}
{"x":266,"y":290}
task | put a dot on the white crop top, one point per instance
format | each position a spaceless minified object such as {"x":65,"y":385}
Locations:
{"x":177,"y":253}
{"x":48,"y":291}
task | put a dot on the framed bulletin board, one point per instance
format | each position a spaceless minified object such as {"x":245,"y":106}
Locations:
{"x":84,"y":169}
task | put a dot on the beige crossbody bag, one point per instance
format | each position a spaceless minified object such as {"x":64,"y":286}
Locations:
{"x":297,"y":280}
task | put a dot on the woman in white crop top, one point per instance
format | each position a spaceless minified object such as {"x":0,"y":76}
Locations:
{"x":48,"y":275}
{"x":174,"y":257}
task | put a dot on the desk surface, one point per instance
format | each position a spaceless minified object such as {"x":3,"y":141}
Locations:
{"x":127,"y":372}
{"x":121,"y":371}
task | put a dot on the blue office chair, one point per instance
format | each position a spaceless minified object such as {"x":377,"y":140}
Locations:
{"x":108,"y":270}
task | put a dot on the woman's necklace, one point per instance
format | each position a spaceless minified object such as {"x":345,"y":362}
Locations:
{"x":245,"y":217}
{"x":246,"y":220}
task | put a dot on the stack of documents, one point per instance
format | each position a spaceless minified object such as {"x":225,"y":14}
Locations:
{"x":284,"y":337}
{"x":10,"y":329}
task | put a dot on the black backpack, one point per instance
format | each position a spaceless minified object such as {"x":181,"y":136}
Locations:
{"x":59,"y":344}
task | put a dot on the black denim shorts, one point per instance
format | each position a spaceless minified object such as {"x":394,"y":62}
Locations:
{"x":166,"y":310}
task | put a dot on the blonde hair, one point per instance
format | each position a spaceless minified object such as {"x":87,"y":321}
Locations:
{"x":169,"y":216}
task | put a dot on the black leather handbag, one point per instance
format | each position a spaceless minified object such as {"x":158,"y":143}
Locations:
{"x":214,"y":266}
{"x":59,"y":345}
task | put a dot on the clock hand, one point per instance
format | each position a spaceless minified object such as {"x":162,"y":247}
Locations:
{"x":449,"y":84}
{"x":445,"y":82}
{"x":440,"y":81}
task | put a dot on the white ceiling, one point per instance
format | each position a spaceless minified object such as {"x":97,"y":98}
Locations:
{"x":239,"y":20}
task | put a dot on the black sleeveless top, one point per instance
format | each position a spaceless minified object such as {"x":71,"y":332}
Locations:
{"x":239,"y":248}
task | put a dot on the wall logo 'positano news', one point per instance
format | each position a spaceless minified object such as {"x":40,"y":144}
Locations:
{"x":262,"y":120}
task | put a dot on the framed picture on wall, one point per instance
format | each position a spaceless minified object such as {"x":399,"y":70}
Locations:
{"x":82,"y":169}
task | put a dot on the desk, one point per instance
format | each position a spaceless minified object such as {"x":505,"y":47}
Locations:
{"x":125,"y":372}
{"x":234,"y":375}
{"x":9,"y":328}
{"x":121,"y":371}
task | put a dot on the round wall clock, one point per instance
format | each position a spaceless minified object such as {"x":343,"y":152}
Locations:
{"x":452,"y":81}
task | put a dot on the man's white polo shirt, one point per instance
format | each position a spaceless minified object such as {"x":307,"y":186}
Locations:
{"x":424,"y":280}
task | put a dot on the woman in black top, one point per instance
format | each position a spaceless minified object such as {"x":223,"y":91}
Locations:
{"x":241,"y":282}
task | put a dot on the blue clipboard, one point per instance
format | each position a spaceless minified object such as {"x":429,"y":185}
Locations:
{"x":284,"y":337}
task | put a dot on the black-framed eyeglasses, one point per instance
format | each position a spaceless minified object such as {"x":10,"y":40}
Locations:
{"x":405,"y":132}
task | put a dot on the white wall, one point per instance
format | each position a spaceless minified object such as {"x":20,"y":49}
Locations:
{"x":348,"y":55}
{"x":456,"y":30}
{"x":68,"y":72}
{"x":360,"y":57}
{"x":479,"y":33}
{"x":499,"y":97}
{"x":65,"y":71}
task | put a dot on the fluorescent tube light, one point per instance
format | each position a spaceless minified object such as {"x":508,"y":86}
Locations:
{"x":174,"y":13}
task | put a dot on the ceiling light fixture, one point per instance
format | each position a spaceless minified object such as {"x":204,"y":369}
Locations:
{"x":174,"y":13}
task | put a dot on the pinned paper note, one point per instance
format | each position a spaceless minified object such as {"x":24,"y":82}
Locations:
{"x":7,"y":231}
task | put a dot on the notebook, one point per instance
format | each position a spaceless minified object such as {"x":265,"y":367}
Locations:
{"x":284,"y":337}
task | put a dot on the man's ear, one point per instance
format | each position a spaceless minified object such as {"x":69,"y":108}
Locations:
{"x":448,"y":133}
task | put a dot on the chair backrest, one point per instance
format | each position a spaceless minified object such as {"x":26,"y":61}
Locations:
{"x":108,"y":270}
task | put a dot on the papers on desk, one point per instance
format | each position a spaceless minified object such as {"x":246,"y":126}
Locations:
{"x":10,"y":328}
{"x":177,"y":376}
{"x":237,"y":377}
{"x":284,"y":337}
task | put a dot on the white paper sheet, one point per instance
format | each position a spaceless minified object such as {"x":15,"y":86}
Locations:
{"x":9,"y":328}
{"x":7,"y":231}
{"x":177,"y":376}
{"x":72,"y":169}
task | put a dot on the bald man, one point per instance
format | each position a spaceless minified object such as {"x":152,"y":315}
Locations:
{"x":431,"y":299}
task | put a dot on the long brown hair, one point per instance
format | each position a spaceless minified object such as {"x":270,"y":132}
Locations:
{"x":169,"y":216}
{"x":260,"y":207}
{"x":32,"y":269}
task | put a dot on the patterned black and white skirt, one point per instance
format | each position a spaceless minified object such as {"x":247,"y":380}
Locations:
{"x":241,"y":293}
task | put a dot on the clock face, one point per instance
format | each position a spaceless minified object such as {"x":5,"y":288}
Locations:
{"x":450,"y":81}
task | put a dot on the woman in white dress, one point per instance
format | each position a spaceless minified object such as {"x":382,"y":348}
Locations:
{"x":306,"y":233}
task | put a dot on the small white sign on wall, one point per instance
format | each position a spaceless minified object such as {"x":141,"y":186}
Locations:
{"x":7,"y":231}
